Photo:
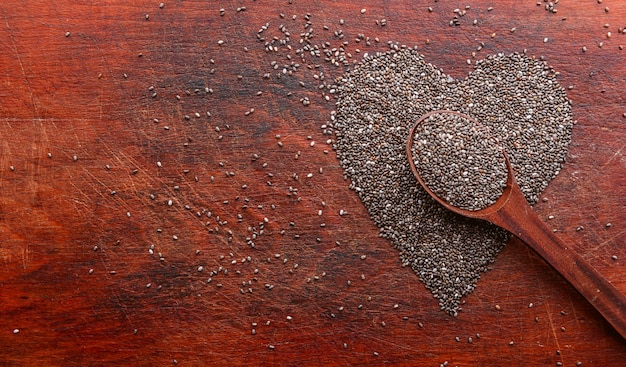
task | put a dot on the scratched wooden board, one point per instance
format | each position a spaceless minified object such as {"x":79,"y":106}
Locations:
{"x":79,"y":286}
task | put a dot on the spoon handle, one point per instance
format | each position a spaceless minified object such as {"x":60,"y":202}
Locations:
{"x":518,"y":218}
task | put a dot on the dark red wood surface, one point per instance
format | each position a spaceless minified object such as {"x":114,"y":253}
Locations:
{"x":71,"y":294}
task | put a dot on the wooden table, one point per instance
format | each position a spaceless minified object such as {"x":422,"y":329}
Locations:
{"x":81,"y":153}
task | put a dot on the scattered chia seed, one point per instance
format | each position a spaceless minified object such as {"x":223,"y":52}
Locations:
{"x":517,"y":98}
{"x":459,"y":161}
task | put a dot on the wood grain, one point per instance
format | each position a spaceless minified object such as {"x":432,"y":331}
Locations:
{"x":80,"y":297}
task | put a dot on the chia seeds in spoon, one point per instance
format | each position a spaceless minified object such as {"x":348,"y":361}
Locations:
{"x":459,"y":161}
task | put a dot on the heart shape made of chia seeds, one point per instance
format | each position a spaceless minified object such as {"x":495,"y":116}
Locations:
{"x":516,"y":97}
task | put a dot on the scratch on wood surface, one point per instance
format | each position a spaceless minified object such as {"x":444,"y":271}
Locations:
{"x":115,"y":291}
{"x":606,"y":242}
{"x":571,"y":301}
{"x":611,"y":158}
{"x":540,"y":288}
{"x":378,"y":342}
{"x":98,"y":190}
{"x":80,"y":205}
{"x":26,"y":256}
{"x":551,"y":322}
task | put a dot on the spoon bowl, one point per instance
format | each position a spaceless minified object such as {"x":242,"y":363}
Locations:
{"x":513,"y":213}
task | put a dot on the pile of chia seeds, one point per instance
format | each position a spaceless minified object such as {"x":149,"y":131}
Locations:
{"x":517,"y":98}
{"x":459,"y":161}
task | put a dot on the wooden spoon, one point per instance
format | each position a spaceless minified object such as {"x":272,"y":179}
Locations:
{"x":512,"y":212}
